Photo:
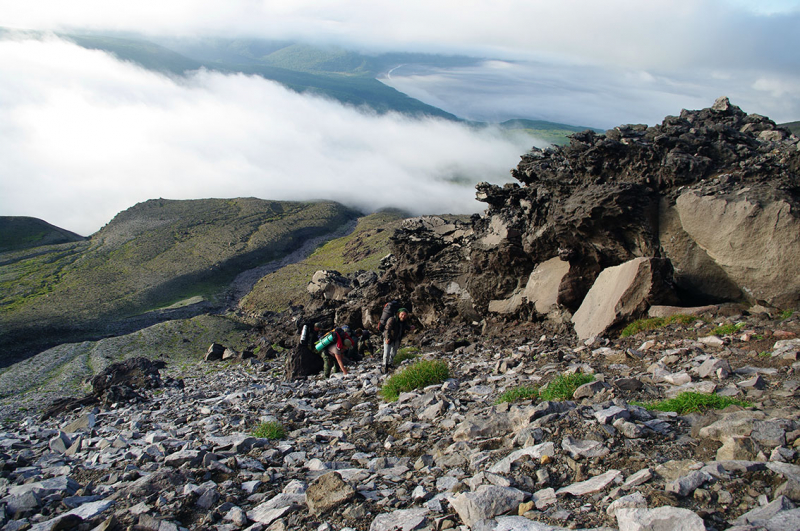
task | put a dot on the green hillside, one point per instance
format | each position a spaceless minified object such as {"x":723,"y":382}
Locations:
{"x":159,"y":254}
{"x":552,"y":132}
{"x":300,"y":68}
{"x":304,"y":57}
{"x":360,"y":250}
{"x":144,"y":53}
{"x":794,"y":127}
{"x":19,"y":232}
{"x":350,"y":90}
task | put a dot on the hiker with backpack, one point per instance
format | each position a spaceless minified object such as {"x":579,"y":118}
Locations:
{"x":393,"y":332}
{"x":332,"y":348}
{"x":362,"y":337}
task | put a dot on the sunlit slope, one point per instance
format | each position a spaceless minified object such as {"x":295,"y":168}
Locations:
{"x":361,"y":249}
{"x":148,"y":257}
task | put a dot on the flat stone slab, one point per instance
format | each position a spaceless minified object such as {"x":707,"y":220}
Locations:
{"x":536,"y":452}
{"x":400,"y":520}
{"x":661,"y":518}
{"x":594,"y":484}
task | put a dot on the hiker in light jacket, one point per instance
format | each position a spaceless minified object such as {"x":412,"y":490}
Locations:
{"x":396,"y":327}
{"x":335,"y":352}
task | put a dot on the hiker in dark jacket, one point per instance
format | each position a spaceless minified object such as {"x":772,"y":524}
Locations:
{"x":365,"y":347}
{"x":333,"y":355}
{"x":396,"y":327}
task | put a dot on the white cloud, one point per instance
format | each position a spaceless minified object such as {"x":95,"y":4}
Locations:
{"x":84,"y":136}
{"x":627,"y":33}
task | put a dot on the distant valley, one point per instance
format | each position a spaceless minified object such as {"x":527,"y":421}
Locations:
{"x":343,"y":75}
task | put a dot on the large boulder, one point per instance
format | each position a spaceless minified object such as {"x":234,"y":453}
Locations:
{"x":541,"y":290}
{"x":623,"y":292}
{"x":133,"y":373}
{"x":330,"y":285}
{"x":743,"y":243}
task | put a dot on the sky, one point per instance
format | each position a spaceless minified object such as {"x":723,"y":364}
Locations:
{"x":84,"y":136}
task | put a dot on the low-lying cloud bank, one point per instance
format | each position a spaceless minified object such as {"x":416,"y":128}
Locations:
{"x":84,"y":136}
{"x":589,"y":95}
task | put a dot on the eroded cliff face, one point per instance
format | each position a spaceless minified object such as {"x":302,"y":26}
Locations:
{"x":712,"y":193}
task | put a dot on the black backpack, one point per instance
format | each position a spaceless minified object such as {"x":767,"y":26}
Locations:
{"x":389,"y":310}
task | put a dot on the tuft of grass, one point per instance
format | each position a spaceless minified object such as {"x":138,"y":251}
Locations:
{"x":406,"y":353}
{"x":269,"y":430}
{"x":416,"y":376}
{"x":564,"y":386}
{"x":727,"y":329}
{"x":517,"y":394}
{"x":785,"y":314}
{"x":654,"y":323}
{"x":689,"y":402}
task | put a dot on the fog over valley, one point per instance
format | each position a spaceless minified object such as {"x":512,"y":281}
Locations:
{"x":84,"y":134}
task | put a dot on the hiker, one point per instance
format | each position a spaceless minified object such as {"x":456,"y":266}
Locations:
{"x":365,"y":347}
{"x":351,"y":355}
{"x":315,"y":332}
{"x":333,"y":353}
{"x":392,"y":334}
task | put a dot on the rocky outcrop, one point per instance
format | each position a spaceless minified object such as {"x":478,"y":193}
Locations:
{"x":447,"y":456}
{"x":330,"y":285}
{"x":714,"y":195}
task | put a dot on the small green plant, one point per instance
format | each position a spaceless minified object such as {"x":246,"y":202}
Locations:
{"x":655,"y":323}
{"x":269,"y":430}
{"x":765,"y":354}
{"x":727,"y":329}
{"x":517,"y":394}
{"x":693,"y":403}
{"x":416,"y":376}
{"x":785,"y":314}
{"x":564,"y":386}
{"x":406,"y":353}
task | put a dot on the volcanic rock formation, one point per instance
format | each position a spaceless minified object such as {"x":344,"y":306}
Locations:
{"x":712,"y":194}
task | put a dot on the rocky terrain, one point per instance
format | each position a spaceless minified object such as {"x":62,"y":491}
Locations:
{"x":176,"y":449}
{"x":693,"y":223}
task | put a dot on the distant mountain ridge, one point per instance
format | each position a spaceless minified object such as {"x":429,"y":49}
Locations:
{"x":343,"y":75}
{"x":20,"y":232}
{"x":155,"y":259}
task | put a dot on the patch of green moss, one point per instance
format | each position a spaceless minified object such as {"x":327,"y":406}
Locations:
{"x":727,"y":329}
{"x":654,"y":323}
{"x":564,"y":386}
{"x":416,"y":376}
{"x":517,"y":394}
{"x":694,"y":403}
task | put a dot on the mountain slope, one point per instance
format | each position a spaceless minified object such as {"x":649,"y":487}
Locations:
{"x":552,"y":132}
{"x":20,"y":232}
{"x":156,"y":260}
{"x":362,"y":249}
{"x":794,"y":127}
{"x":243,"y":57}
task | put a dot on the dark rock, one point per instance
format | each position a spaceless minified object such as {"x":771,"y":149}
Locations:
{"x":215,"y":352}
